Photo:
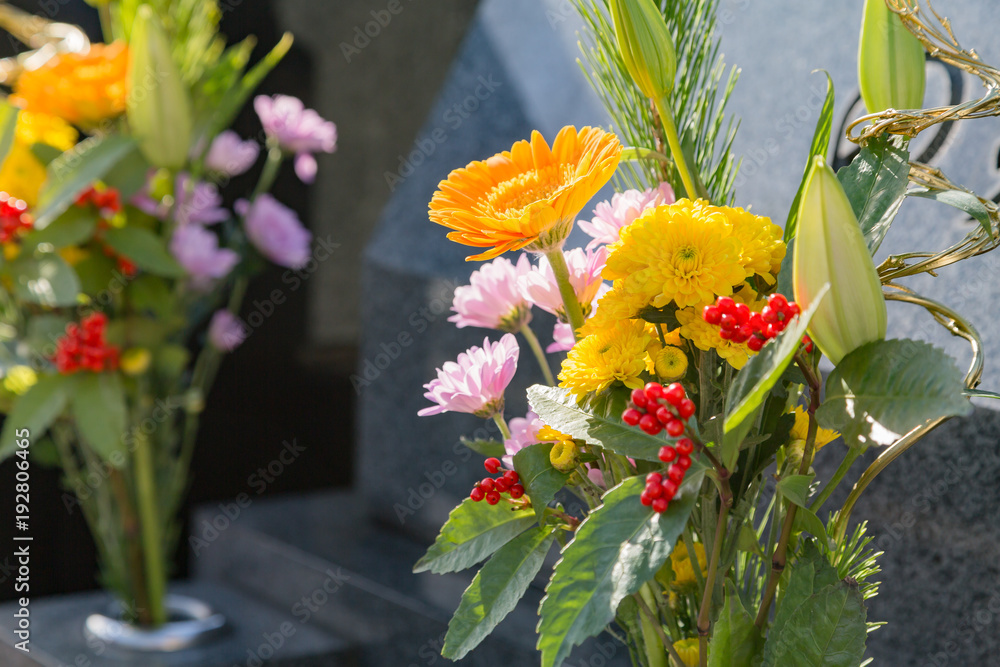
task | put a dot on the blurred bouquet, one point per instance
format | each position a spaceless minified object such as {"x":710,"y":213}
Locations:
{"x":673,"y":461}
{"x":123,"y":272}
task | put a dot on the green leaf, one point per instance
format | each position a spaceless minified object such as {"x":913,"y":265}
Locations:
{"x":145,"y":249}
{"x":35,"y":411}
{"x":755,"y":380}
{"x":487,"y":448}
{"x":75,"y":170}
{"x":558,"y":408}
{"x":495,"y":591}
{"x":820,"y":621}
{"x":149,"y":293}
{"x":735,"y":639}
{"x":45,"y":153}
{"x":806,"y":520}
{"x":820,"y":146}
{"x":960,"y":199}
{"x":74,"y":226}
{"x":796,"y":488}
{"x":618,"y":548}
{"x":98,"y":407}
{"x":540,"y":480}
{"x":8,"y":127}
{"x":473,"y":532}
{"x":45,"y":279}
{"x":128,"y":176}
{"x":886,"y":388}
{"x":875,"y":183}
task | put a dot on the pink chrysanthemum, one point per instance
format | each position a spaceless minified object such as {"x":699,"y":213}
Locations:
{"x":476,"y":382}
{"x":584,"y":275}
{"x":523,"y":432}
{"x":493,"y":299}
{"x":621,"y":211}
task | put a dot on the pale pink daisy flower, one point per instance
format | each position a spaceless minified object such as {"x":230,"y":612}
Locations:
{"x":621,"y":211}
{"x":493,"y":299}
{"x":584,"y":275}
{"x":476,"y":382}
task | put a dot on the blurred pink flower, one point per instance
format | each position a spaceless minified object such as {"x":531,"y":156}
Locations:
{"x":201,"y":206}
{"x":197,"y":250}
{"x":562,"y":333}
{"x":231,"y":156}
{"x":621,"y":211}
{"x":523,"y":432}
{"x":275,"y":231}
{"x":493,"y":299}
{"x":584,"y":275}
{"x":476,"y":383}
{"x":226,"y":332}
{"x":296,"y":130}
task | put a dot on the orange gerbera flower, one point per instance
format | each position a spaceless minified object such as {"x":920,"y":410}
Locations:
{"x":528,"y":196}
{"x":80,"y":88}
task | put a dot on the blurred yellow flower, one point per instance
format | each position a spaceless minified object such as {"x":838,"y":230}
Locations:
{"x":22,"y":174}
{"x":82,"y":89}
{"x":135,"y":361}
{"x":800,"y":430}
{"x":19,"y":379}
{"x":617,"y":354}
{"x":680,"y":563}
{"x":689,"y":652}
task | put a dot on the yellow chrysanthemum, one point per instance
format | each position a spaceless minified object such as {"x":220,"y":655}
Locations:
{"x":762,"y":246}
{"x":680,"y":563}
{"x":689,"y":652}
{"x":800,"y":430}
{"x":617,"y":354}
{"x":616,"y":305}
{"x":19,"y":380}
{"x":706,"y":336}
{"x":668,"y":363}
{"x":82,"y":89}
{"x":549,"y":434}
{"x":529,"y":195}
{"x":22,"y":174}
{"x":684,"y":252}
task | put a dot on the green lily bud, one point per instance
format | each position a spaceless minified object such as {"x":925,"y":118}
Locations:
{"x":830,"y":249}
{"x":158,"y":107}
{"x":891,"y":69}
{"x":646,"y":45}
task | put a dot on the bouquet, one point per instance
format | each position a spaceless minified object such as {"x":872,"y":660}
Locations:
{"x":671,"y":460}
{"x":123,"y":272}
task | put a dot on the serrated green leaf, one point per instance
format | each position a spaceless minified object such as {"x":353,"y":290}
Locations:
{"x":875,"y":183}
{"x":618,"y":548}
{"x":76,"y":169}
{"x":820,"y":146}
{"x":44,"y":279}
{"x":886,"y":388}
{"x":540,"y":480}
{"x":558,"y":408}
{"x":73,"y":227}
{"x":487,"y":448}
{"x":796,"y":488}
{"x":820,"y":621}
{"x":495,"y":591}
{"x":473,"y":532}
{"x":735,"y":639}
{"x":755,"y":380}
{"x":960,"y":199}
{"x":144,"y":249}
{"x":36,"y":410}
{"x":98,"y":408}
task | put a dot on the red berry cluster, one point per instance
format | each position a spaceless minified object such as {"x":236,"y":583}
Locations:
{"x":84,"y":348}
{"x":14,"y":217}
{"x":739,"y":324}
{"x":660,"y":488}
{"x":109,"y":200}
{"x":491,"y":489}
{"x":655,"y":408}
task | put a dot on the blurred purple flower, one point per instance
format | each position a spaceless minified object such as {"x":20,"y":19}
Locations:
{"x":275,"y":231}
{"x":296,"y":130}
{"x":197,"y":250}
{"x":230,"y":155}
{"x":476,"y":382}
{"x":201,"y":206}
{"x":226,"y":332}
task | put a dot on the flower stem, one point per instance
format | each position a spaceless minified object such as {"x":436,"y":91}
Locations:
{"x":270,"y":172}
{"x":670,"y":130}
{"x":502,"y":425}
{"x":152,"y":540}
{"x":536,"y":347}
{"x":852,"y":455}
{"x":704,"y":614}
{"x":652,"y":632}
{"x":574,"y":313}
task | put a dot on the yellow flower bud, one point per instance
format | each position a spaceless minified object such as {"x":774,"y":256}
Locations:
{"x":689,"y":651}
{"x":830,"y":249}
{"x":159,"y":111}
{"x":646,"y":45}
{"x":891,"y":68}
{"x":135,"y":361}
{"x":564,"y":455}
